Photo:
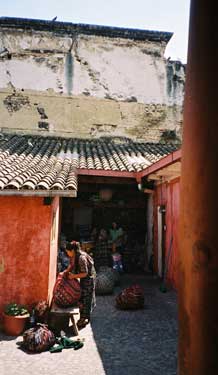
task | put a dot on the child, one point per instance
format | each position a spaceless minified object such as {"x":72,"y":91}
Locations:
{"x":117,"y":260}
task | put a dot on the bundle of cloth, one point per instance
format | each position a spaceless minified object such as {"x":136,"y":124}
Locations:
{"x":41,"y":312}
{"x":40,"y":338}
{"x":66,"y":291}
{"x":131,"y":298}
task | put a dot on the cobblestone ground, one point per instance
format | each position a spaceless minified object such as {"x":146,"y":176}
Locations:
{"x":142,"y":342}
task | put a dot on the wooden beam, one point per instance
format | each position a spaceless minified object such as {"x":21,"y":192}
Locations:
{"x":39,"y":193}
{"x":153,"y":176}
{"x":164,"y":162}
{"x":148,"y":191}
{"x":105,"y":180}
{"x":101,"y":172}
{"x":165,"y":173}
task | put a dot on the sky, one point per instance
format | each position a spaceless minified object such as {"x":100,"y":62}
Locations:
{"x":163,"y":15}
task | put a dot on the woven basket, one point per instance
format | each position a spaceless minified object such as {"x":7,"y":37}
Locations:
{"x":111,"y":273}
{"x":104,"y":284}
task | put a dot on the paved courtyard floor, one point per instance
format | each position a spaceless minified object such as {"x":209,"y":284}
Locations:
{"x":142,"y":342}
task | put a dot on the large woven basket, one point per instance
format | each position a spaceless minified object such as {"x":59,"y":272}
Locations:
{"x":111,"y":273}
{"x":104,"y":284}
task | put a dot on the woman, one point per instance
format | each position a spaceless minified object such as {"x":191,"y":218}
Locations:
{"x":82,"y":267}
{"x":102,"y":256}
{"x":116,"y":237}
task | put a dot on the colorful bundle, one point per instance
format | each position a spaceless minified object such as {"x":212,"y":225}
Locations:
{"x":41,"y":312}
{"x":38,"y":339}
{"x":131,"y":298}
{"x":66,"y":291}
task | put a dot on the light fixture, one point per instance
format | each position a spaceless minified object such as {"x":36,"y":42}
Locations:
{"x":105,"y":194}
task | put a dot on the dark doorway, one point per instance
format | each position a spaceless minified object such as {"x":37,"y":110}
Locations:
{"x":126,"y":206}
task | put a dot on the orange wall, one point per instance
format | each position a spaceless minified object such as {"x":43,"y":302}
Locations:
{"x":168,"y":194}
{"x":27,"y":266}
{"x":54,"y":234}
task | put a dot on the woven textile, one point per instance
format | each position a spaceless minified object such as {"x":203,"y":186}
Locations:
{"x":38,"y":339}
{"x":66,"y":292}
{"x":131,"y":298}
{"x":104,"y":284}
{"x":111,"y":273}
{"x":41,"y":311}
{"x":107,"y":271}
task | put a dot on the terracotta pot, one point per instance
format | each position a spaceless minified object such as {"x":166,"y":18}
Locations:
{"x":14,"y":325}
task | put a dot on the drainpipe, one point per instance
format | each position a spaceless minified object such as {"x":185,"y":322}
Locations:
{"x":198,"y":254}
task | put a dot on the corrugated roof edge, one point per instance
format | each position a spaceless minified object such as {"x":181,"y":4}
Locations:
{"x":69,"y":27}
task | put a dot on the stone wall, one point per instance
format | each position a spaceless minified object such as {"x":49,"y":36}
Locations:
{"x":84,"y":85}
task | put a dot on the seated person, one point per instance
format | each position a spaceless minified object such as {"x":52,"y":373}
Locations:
{"x":117,"y":260}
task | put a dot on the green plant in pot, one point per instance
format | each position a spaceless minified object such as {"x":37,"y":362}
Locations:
{"x":15,"y":318}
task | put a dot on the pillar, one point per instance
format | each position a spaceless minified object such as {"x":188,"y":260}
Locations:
{"x":198,"y":255}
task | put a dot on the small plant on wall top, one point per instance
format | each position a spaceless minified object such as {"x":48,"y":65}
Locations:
{"x":13,"y":309}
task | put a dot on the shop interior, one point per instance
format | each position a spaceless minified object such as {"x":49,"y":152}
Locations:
{"x":99,"y":205}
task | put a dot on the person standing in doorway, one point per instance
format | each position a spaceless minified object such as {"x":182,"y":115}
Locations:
{"x":116,"y":237}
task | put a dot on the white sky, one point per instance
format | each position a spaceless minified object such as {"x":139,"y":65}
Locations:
{"x":163,"y":15}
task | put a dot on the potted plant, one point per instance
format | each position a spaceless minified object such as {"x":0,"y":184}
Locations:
{"x":14,"y":319}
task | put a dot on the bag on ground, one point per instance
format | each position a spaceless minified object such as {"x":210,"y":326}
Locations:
{"x":131,"y":298}
{"x":38,"y":339}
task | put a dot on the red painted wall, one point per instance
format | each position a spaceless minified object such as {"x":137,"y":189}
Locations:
{"x":169,"y":195}
{"x":27,"y":253}
{"x":54,"y":235}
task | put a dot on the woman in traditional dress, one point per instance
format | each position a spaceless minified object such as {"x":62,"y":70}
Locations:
{"x":82,"y":267}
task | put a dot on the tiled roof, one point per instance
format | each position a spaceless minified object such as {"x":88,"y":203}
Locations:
{"x":49,"y":163}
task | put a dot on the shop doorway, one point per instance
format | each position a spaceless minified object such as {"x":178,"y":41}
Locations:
{"x":126,"y":207}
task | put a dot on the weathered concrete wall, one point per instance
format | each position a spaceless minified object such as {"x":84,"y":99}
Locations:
{"x":88,"y":85}
{"x":28,"y":254}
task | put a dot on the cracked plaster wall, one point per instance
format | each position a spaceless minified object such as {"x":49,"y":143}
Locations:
{"x":88,"y":86}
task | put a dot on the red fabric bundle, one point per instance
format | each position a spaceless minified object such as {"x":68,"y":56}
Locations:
{"x":38,"y":339}
{"x":131,"y":298}
{"x":66,"y":292}
{"x":42,"y":311}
